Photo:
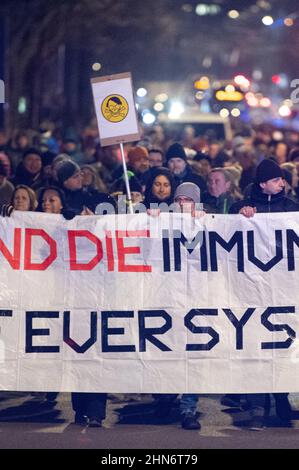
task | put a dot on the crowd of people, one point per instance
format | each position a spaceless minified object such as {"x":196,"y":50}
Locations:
{"x":71,"y":175}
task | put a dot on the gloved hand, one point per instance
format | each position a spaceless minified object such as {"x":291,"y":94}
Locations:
{"x":6,"y":210}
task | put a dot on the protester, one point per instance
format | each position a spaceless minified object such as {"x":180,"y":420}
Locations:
{"x":246,"y":157}
{"x":268,"y":195}
{"x":218,"y":198}
{"x":217,"y":155}
{"x":78,"y":200}
{"x":202,"y":164}
{"x":119,"y":189}
{"x":156,"y":157}
{"x":51,"y":200}
{"x":24,"y":198}
{"x":182,"y":172}
{"x":91,"y":181}
{"x":138,"y":162}
{"x":280,"y":152}
{"x":160,"y":188}
{"x":187,"y":198}
{"x":29,"y":170}
{"x":291,"y":179}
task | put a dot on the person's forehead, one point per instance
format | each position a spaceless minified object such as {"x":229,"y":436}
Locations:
{"x":50,"y":193}
{"x":185,"y":198}
{"x":21,"y":191}
{"x":273,"y":180}
{"x":155,"y":154}
{"x":33,"y":155}
{"x":216,"y":175}
{"x":161,"y":178}
{"x":75,"y":175}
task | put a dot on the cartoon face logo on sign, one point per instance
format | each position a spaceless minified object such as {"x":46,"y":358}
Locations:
{"x":114,"y":108}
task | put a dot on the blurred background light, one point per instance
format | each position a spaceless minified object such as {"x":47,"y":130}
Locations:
{"x":176,"y":110}
{"x":233,"y":14}
{"x":96,"y":66}
{"x":235,"y":112}
{"x":161,"y":97}
{"x":267,"y":20}
{"x":141,"y":92}
{"x":148,"y":118}
{"x":224,"y":112}
{"x":284,"y":111}
{"x":158,"y":107}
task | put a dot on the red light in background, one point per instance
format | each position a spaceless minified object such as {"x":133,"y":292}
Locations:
{"x":276,"y":79}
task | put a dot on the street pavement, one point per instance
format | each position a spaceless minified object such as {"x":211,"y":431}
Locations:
{"x":29,"y":422}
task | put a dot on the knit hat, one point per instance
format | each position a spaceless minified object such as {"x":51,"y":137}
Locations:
{"x":31,"y":150}
{"x":176,"y":150}
{"x":267,"y":170}
{"x":66,"y":170}
{"x":190,"y":190}
{"x":202,"y":156}
{"x":136,"y":153}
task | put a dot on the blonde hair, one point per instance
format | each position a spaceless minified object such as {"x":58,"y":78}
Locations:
{"x":290,"y":166}
{"x":31,"y":195}
{"x":97,"y":182}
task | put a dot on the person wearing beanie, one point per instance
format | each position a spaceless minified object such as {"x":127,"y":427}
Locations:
{"x":78,"y":199}
{"x":187,"y":196}
{"x":176,"y":150}
{"x":267,"y":170}
{"x":119,"y":189}
{"x":176,"y":161}
{"x":188,"y":191}
{"x":267,"y":193}
{"x":29,"y":170}
{"x":138,"y":163}
{"x":69,"y":170}
{"x":138,"y":160}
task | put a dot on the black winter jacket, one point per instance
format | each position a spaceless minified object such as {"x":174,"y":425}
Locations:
{"x":266,"y":203}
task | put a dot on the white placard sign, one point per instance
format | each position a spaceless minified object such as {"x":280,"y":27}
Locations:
{"x":115,"y":109}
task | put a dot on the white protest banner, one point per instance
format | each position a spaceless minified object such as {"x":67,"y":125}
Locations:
{"x":132,"y":303}
{"x":115,"y":108}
